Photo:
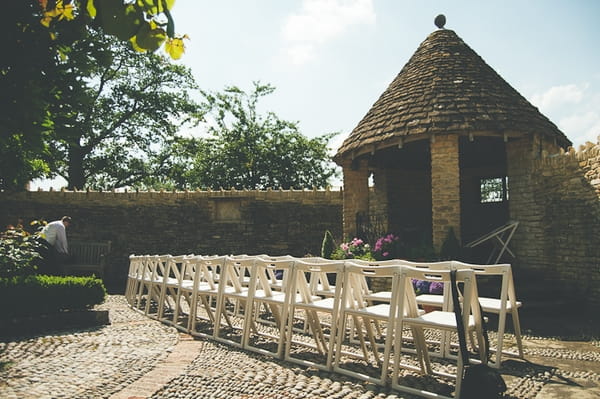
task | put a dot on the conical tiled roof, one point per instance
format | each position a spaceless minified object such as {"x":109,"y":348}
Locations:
{"x":447,"y":88}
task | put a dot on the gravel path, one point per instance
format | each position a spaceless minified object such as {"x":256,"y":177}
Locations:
{"x":135,"y":357}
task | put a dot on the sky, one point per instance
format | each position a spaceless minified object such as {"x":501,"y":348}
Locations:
{"x":331,"y":59}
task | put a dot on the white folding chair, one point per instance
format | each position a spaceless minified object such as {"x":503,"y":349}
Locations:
{"x":232,"y":300}
{"x":505,"y":302}
{"x":169,"y":305}
{"x":437,"y":319}
{"x":267,"y":308}
{"x":314,"y":345}
{"x":202,"y":292}
{"x":148,"y":296}
{"x":358,"y":317}
{"x":134,"y":277}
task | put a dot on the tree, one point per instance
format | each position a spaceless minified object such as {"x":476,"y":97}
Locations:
{"x":118,"y":107}
{"x":37,"y":36}
{"x":147,"y":24}
{"x":245,"y":149}
{"x":27,"y":75}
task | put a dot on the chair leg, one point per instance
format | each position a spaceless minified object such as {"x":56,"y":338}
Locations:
{"x":517,"y":327}
{"x":500,"y":340}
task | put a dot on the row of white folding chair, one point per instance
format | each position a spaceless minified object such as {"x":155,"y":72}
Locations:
{"x":133,"y":278}
{"x":155,"y":280}
{"x":402,"y":311}
{"x":302,"y":298}
{"x":273,"y":331}
{"x":148,"y":280}
{"x":154,"y":285}
{"x":505,"y":302}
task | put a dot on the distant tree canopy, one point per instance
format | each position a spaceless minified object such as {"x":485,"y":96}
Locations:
{"x":244,"y":149}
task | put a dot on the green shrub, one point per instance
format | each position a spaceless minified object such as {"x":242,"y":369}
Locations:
{"x":328,"y":245}
{"x":18,"y":253}
{"x":39,"y":294}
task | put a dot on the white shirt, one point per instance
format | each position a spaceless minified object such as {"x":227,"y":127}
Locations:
{"x":56,"y":235}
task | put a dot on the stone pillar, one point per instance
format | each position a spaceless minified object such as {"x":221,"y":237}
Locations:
{"x":523,"y":208}
{"x":378,"y":200}
{"x":445,"y":188}
{"x":356,"y":194}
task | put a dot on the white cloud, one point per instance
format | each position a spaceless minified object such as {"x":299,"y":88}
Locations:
{"x":586,"y":126}
{"x":300,"y":54}
{"x":558,"y":96}
{"x":575,"y":108}
{"x":321,"y":21}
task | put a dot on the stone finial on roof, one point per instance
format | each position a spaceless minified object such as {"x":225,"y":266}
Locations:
{"x":440,"y":21}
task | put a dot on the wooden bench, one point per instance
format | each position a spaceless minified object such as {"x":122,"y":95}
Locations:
{"x":87,"y":258}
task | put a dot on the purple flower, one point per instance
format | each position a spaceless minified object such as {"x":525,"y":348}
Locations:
{"x":385,"y":253}
{"x":422,"y":286}
{"x":436,"y":288}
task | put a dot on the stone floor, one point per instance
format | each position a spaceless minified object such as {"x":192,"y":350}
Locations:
{"x":135,"y":357}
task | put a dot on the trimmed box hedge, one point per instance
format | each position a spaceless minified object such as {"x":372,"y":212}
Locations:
{"x":39,"y":294}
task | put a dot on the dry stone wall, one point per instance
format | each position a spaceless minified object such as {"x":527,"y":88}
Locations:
{"x":558,"y":239}
{"x":208,"y":222}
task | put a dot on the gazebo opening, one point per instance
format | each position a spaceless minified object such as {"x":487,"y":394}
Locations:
{"x":483,"y":186}
{"x":400,"y":200}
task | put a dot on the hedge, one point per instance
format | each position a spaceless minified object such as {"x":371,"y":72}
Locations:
{"x":39,"y":294}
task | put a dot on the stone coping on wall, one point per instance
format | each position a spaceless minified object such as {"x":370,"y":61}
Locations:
{"x":128,"y":195}
{"x":587,"y":158}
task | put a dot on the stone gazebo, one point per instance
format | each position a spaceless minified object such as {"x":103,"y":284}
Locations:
{"x":438,"y":148}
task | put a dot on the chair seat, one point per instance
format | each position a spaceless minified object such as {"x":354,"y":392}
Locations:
{"x":276,"y":296}
{"x":384,"y":296}
{"x":201,"y":286}
{"x":231,"y":291}
{"x":430,"y":300}
{"x":493,"y":305}
{"x":173,"y":282}
{"x":318,"y":303}
{"x":438,"y":319}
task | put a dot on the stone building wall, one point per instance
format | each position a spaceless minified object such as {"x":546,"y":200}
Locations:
{"x":208,"y":222}
{"x":556,"y":200}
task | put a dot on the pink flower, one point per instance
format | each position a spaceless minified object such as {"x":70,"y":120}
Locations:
{"x":344,"y":246}
{"x":385,"y":253}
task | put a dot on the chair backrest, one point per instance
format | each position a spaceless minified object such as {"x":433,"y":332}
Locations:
{"x":175,"y":268}
{"x":355,"y":282}
{"x":306,"y":272}
{"x":265,"y":272}
{"x":233,"y":272}
{"x":204,"y":269}
{"x":504,"y":271}
{"x":149,"y":268}
{"x":135,"y":266}
{"x":408,"y":301}
{"x":389,"y":262}
{"x":374,"y":263}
